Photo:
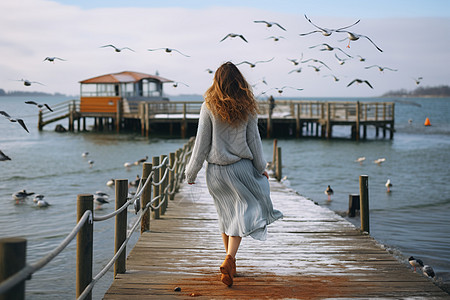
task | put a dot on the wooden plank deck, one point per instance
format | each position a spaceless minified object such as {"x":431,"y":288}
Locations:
{"x":311,"y":253}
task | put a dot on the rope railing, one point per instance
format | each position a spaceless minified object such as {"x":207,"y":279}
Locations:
{"x":167,"y":184}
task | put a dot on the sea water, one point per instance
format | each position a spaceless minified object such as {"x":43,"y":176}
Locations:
{"x":410,"y":220}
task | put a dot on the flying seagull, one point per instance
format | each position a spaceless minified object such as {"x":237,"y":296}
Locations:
{"x":3,"y":156}
{"x":28,"y":82}
{"x":294,"y":61}
{"x":329,"y":48}
{"x":317,"y":69}
{"x":11,"y":119}
{"x":233,"y":35}
{"x":275,"y":38}
{"x":270,"y":24}
{"x":175,"y":84}
{"x":417,"y":80}
{"x":325,"y":31}
{"x":280,"y":90}
{"x":298,"y":70}
{"x":381,"y":69}
{"x":360,"y":81}
{"x":331,"y":75}
{"x":117,"y":49}
{"x":169,"y":50}
{"x":340,"y":60}
{"x":355,"y":36}
{"x":39,"y":104}
{"x":52,"y":59}
{"x":317,"y":61}
{"x":252,"y":65}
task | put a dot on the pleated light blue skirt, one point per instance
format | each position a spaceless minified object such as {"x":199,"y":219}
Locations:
{"x":242,"y":199}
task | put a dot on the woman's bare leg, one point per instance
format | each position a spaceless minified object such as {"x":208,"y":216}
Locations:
{"x":225,"y":241}
{"x":233,"y":245}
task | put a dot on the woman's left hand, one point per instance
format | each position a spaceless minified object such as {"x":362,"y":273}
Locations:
{"x":266,"y":174}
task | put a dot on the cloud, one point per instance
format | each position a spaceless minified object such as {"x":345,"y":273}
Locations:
{"x":37,"y":29}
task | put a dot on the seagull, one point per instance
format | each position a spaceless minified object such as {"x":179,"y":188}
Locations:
{"x":388,"y":185}
{"x":295,"y":70}
{"x":252,"y":65}
{"x":360,"y":159}
{"x":39,"y":105}
{"x":168,"y":50}
{"x":317,"y":69}
{"x":428,"y":271}
{"x":280,"y":90}
{"x":417,"y":80}
{"x":140,"y":161}
{"x":361,"y":58}
{"x":329,"y":191}
{"x":331,"y":75}
{"x":21,"y":195}
{"x":110,"y":182}
{"x":325,"y":31}
{"x":91,"y":163}
{"x":3,"y":156}
{"x":381,"y":68}
{"x":84,"y":154}
{"x":175,"y":84}
{"x":137,"y":205}
{"x":276,"y":38}
{"x":102,"y":194}
{"x":294,"y":61}
{"x":379,"y":161}
{"x":329,"y":48}
{"x":118,"y":49}
{"x":11,"y":119}
{"x":340,"y":60}
{"x":360,"y":81}
{"x":233,"y":35}
{"x":355,"y":36}
{"x":135,"y":182}
{"x":39,"y":200}
{"x":316,"y":61}
{"x":27,"y":82}
{"x":127,"y":165}
{"x":100,"y":200}
{"x":209,"y":71}
{"x":52,"y":59}
{"x":270,"y":24}
{"x":416,"y":263}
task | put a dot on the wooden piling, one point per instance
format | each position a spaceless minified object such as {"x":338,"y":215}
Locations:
{"x":278,"y":171}
{"x":364,"y":202}
{"x":13,"y":253}
{"x":171,"y":174}
{"x":146,"y":196}
{"x":85,"y":202}
{"x":353,"y":205}
{"x":274,"y":158}
{"x":121,"y":225}
{"x":163,"y":185}
{"x":156,"y":212}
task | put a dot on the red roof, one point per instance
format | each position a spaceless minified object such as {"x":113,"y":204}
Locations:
{"x":123,"y":77}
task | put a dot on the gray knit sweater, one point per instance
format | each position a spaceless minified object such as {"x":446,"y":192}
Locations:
{"x":222,"y":144}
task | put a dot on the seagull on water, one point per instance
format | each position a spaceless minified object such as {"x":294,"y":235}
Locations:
{"x":168,"y":50}
{"x":355,"y":36}
{"x":11,"y":119}
{"x":270,"y":24}
{"x":360,"y":159}
{"x":140,"y":161}
{"x":135,"y":182}
{"x":416,"y":263}
{"x":110,"y":182}
{"x":381,"y":69}
{"x":84,"y":154}
{"x":39,"y":105}
{"x":428,"y":271}
{"x":117,"y":49}
{"x":360,"y":81}
{"x":327,"y":47}
{"x":127,"y":165}
{"x":100,"y":200}
{"x":3,"y":156}
{"x":234,"y":35}
{"x":91,"y":163}
{"x":21,"y":195}
{"x":325,"y":31}
{"x":27,"y":82}
{"x":52,"y":59}
{"x":379,"y":161}
{"x":329,"y":191}
{"x":252,"y":65}
{"x":39,"y":200}
{"x":388,"y":185}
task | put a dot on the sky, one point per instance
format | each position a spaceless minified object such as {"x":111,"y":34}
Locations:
{"x":414,"y":36}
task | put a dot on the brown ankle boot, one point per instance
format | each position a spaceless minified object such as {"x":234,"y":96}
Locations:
{"x":226,"y":268}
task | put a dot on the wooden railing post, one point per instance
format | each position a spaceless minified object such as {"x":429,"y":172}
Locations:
{"x":274,"y":158}
{"x":364,"y":202}
{"x":121,"y":225}
{"x":358,"y":119}
{"x":13,"y":254}
{"x":278,"y":171}
{"x":172,"y":174}
{"x":163,"y":185}
{"x":156,"y":212}
{"x":146,"y":196}
{"x":85,"y":202}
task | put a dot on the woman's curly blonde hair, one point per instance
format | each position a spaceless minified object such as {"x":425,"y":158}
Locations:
{"x":230,"y":97}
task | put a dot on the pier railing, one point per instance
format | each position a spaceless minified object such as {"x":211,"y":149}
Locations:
{"x":162,"y":177}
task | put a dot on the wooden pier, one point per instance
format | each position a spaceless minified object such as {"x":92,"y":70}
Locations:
{"x":311,"y":253}
{"x":289,"y":118}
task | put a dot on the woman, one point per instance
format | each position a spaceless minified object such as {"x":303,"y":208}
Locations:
{"x":228,"y":139}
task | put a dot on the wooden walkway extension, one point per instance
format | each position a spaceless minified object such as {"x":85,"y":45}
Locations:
{"x":311,"y":253}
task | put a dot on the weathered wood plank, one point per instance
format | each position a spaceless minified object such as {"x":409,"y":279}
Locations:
{"x":311,"y":253}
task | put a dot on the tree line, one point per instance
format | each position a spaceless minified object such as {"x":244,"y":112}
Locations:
{"x":435,"y":91}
